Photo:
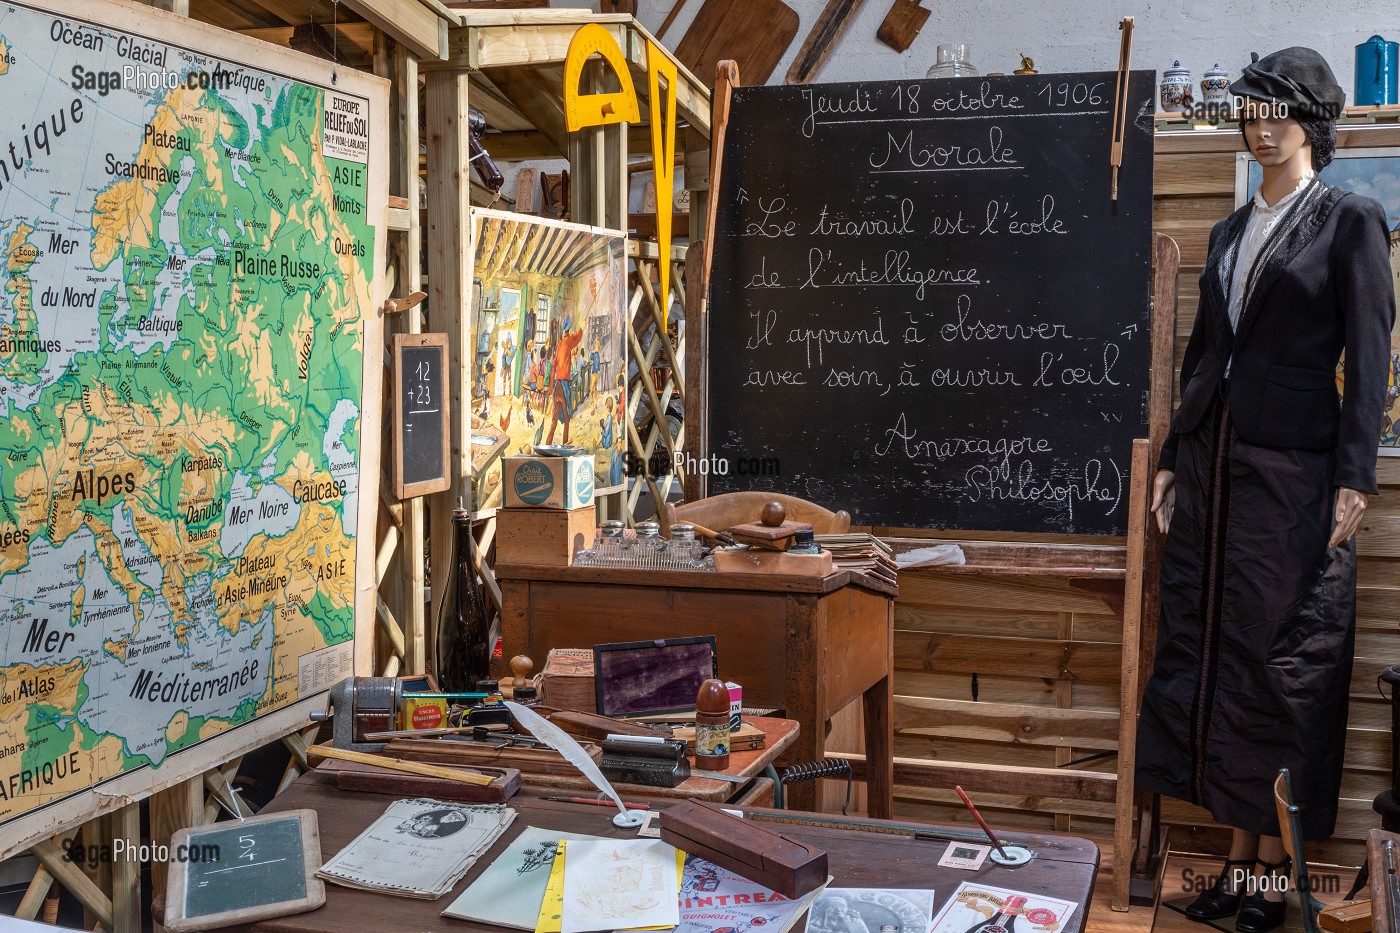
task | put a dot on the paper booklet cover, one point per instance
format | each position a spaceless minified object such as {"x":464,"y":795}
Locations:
{"x":418,"y":848}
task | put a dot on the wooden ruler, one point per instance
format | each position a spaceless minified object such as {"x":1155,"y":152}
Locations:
{"x":822,"y":40}
{"x":318,"y":752}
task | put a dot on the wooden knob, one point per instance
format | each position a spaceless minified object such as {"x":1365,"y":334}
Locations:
{"x":521,"y":666}
{"x":773,"y":514}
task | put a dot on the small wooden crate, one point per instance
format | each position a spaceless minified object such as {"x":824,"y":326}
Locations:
{"x":567,"y":681}
{"x":543,"y":537}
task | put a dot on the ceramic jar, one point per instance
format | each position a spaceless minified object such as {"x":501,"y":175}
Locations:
{"x":1176,"y":96}
{"x":1215,"y":85}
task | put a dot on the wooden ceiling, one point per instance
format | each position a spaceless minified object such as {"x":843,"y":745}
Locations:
{"x":536,"y":248}
{"x":273,"y":20}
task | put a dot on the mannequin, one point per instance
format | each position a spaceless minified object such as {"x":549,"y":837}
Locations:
{"x":1261,"y":488}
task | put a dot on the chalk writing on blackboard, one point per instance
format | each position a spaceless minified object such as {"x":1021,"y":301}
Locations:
{"x":421,"y":408}
{"x":925,"y":305}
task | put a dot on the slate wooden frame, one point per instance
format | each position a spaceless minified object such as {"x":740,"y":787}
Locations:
{"x":403,"y":342}
{"x":176,"y":920}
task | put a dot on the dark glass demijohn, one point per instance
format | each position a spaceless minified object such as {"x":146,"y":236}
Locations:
{"x":463,"y":630}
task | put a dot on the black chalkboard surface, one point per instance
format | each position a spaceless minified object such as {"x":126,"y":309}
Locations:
{"x":926,"y":309}
{"x":244,"y":870}
{"x":420,"y":415}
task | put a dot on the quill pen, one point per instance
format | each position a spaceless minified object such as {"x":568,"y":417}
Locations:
{"x":559,"y":740}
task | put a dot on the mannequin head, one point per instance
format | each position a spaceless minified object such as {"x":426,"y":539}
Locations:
{"x":1290,"y":102}
{"x":1276,"y":140}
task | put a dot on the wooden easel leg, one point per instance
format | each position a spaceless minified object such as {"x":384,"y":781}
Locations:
{"x":1124,"y":842}
{"x":34,"y":895}
{"x":50,"y":855}
{"x":126,"y":872}
{"x":173,"y":809}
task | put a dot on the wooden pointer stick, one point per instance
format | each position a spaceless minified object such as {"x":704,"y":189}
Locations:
{"x":1120,"y":100}
{"x":317,"y":752}
{"x":726,"y":80}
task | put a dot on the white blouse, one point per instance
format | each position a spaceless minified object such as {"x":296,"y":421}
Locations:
{"x":1262,"y":221}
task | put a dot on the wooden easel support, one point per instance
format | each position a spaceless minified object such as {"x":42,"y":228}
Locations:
{"x":1128,"y":697}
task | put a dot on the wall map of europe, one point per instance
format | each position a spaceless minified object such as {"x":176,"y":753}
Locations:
{"x":185,"y":263}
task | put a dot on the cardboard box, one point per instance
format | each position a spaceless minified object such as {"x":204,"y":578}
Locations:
{"x":543,"y":537}
{"x":567,"y":681}
{"x":533,"y":482}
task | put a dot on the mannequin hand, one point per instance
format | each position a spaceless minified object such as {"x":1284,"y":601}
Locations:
{"x":1164,"y":498}
{"x":1351,"y":505}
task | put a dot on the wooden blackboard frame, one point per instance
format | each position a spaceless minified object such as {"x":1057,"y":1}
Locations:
{"x":403,"y":342}
{"x":176,"y":919}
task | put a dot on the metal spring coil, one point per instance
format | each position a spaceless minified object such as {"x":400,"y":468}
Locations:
{"x":815,"y":770}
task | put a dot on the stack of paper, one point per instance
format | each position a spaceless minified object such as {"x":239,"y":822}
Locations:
{"x":418,"y":848}
{"x":861,"y":552}
{"x":511,"y":889}
{"x":610,"y":884}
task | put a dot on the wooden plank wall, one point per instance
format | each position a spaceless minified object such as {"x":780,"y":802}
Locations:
{"x":1045,"y":656}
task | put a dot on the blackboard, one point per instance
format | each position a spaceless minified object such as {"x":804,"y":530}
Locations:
{"x":244,"y":870}
{"x":420,"y":415}
{"x":925,"y":307}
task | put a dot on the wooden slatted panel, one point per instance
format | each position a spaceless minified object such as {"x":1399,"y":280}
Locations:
{"x":1006,"y":632}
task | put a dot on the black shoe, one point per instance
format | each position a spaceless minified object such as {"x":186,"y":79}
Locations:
{"x":1259,"y":915}
{"x":1215,"y":902}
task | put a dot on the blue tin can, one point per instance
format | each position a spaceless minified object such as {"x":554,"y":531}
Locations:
{"x":1376,"y":74}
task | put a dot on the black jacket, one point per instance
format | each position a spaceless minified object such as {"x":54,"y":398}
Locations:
{"x":1323,"y":286}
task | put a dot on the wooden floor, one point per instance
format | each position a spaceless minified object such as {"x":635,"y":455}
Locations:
{"x":1179,"y":880}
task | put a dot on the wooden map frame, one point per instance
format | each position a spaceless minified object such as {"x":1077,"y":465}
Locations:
{"x":123,"y":16}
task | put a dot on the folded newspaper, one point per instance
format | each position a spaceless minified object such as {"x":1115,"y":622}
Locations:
{"x":418,"y":848}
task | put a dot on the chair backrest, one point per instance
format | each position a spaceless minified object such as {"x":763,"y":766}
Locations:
{"x":736,"y":508}
{"x":1290,"y":824}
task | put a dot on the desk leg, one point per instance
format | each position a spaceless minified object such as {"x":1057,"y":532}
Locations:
{"x":879,"y":748}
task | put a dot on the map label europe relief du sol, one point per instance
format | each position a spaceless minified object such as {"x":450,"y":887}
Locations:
{"x":185,"y":262}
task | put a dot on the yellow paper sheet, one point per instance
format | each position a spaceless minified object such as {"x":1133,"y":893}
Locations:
{"x":551,"y":918}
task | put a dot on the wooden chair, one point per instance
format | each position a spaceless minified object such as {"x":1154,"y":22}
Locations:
{"x":735,"y":508}
{"x":1290,"y":825}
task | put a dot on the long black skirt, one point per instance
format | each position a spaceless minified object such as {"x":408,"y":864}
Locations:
{"x":1255,"y":642}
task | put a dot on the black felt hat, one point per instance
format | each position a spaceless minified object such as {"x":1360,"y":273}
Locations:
{"x":1299,"y":77}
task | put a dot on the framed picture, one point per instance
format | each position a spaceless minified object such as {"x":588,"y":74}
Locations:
{"x":550,"y":337}
{"x":1376,"y":174}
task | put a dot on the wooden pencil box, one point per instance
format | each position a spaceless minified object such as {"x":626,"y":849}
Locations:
{"x":779,"y":862}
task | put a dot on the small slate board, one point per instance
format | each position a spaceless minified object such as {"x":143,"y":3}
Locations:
{"x":420,"y":415}
{"x":245,"y":870}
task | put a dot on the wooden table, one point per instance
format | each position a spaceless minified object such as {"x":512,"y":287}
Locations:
{"x":803,"y":644}
{"x":860,"y":853}
{"x":780,"y":734}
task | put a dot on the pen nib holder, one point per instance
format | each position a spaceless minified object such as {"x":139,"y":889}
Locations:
{"x":1011,"y":856}
{"x":628,"y":819}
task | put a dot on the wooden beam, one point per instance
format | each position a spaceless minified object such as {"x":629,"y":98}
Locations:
{"x":1006,"y":722}
{"x":358,"y":36}
{"x":538,"y":101}
{"x":52,"y":856}
{"x":996,"y":779}
{"x":523,"y":145}
{"x":1048,"y":658}
{"x":417,"y":25}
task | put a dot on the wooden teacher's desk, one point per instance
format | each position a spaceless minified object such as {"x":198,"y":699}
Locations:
{"x":860,"y":854}
{"x":806,"y":645}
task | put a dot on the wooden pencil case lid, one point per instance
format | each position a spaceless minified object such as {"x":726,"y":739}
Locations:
{"x":779,"y":862}
{"x":352,"y":775}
